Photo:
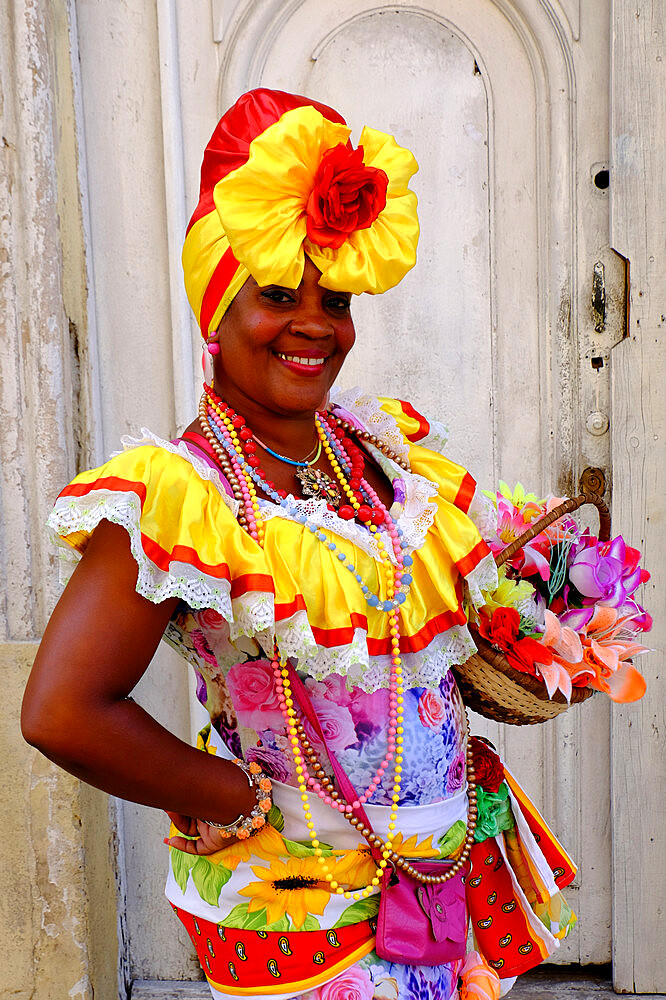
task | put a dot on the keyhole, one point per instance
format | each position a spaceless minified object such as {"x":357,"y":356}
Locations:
{"x":601,"y":179}
{"x":597,"y":363}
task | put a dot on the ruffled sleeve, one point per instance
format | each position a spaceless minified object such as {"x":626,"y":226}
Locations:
{"x":180,"y":521}
{"x":457,"y":487}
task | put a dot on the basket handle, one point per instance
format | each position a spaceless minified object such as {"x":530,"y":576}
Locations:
{"x":567,"y":507}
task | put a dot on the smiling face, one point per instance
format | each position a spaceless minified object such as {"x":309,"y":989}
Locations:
{"x":281,"y":348}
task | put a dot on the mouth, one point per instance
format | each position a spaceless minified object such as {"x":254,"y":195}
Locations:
{"x":303,"y":364}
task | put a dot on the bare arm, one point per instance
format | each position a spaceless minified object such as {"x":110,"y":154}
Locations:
{"x":76,"y":710}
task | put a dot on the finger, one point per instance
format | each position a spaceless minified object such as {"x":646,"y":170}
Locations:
{"x":186,"y":824}
{"x":187,"y":846}
{"x":199,"y":847}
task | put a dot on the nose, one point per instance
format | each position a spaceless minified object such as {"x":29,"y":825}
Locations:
{"x":311,"y":319}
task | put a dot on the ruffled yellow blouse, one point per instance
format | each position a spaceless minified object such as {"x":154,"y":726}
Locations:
{"x":187,"y":543}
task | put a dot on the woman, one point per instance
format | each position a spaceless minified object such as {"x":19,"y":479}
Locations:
{"x":287,"y":529}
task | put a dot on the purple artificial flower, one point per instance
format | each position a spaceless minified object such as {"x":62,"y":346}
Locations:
{"x":605,"y":571}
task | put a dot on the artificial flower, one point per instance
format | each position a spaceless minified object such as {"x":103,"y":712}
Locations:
{"x":502,"y":630}
{"x":566,"y":664}
{"x":508,"y":594}
{"x":517,"y":496}
{"x":347,"y":195}
{"x":512,"y":523}
{"x":265,"y":207}
{"x":606,"y":571}
{"x":488,"y":768}
{"x":494,"y":813}
{"x":608,"y":645}
{"x":598,"y":656}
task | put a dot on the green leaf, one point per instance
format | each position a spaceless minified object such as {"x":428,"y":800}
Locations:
{"x":452,"y":839}
{"x":181,"y":865}
{"x":209,"y":879}
{"x":238,"y":916}
{"x":241,"y":917}
{"x":311,"y":923}
{"x":302,"y":849}
{"x":364,"y":909}
{"x":281,"y":925}
{"x":275,"y":818}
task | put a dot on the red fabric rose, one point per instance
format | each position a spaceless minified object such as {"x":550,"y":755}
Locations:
{"x":347,"y":195}
{"x":488,"y":768}
{"x":502,"y":629}
{"x":522,"y":655}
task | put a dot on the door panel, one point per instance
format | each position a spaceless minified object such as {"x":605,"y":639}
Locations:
{"x":485,"y":332}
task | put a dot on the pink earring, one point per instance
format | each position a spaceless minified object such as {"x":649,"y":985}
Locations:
{"x":210,"y":350}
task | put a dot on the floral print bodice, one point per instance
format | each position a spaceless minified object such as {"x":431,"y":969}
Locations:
{"x":243,"y":707}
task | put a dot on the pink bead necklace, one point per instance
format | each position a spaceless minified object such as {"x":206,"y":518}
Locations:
{"x":228,"y":439}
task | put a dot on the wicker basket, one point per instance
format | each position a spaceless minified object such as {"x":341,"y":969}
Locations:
{"x":488,"y":683}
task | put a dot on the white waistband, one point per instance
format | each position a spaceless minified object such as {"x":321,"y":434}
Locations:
{"x":433,"y":819}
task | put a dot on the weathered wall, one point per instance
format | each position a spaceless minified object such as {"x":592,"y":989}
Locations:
{"x":638,"y":230}
{"x":57,"y":883}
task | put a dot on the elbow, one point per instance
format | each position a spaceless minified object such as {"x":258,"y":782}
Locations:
{"x":36,"y":725}
{"x":49,"y":730}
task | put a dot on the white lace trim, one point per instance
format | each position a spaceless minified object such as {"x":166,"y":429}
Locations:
{"x":483,"y":514}
{"x":370,"y":673}
{"x":72,"y":514}
{"x":482,"y":577}
{"x":437,"y":437}
{"x":206,"y":472}
{"x":425,"y":668}
{"x":366,"y":409}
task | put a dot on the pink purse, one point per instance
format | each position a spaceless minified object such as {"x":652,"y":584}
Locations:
{"x":419,"y":922}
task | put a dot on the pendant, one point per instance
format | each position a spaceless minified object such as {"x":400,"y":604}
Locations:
{"x":317,"y":484}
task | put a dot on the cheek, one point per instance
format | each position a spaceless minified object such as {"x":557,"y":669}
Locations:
{"x":347,"y":339}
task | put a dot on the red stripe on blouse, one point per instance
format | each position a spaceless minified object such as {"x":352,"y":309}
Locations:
{"x":465,"y":493}
{"x":473,"y":558}
{"x":423,"y":428}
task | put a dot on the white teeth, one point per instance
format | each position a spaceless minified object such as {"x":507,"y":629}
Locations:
{"x":302,"y":361}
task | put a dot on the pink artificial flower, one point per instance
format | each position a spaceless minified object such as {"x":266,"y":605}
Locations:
{"x":512,"y":522}
{"x":600,"y":658}
{"x":252,"y":689}
{"x":566,"y":650}
{"x":354,"y":983}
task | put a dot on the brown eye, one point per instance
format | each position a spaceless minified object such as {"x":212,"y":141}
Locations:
{"x":339,"y":303}
{"x":281,"y":296}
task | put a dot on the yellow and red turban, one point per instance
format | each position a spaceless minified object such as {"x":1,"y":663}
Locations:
{"x":280,"y":179}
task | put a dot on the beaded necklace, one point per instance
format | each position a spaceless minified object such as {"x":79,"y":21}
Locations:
{"x":227,"y":433}
{"x":308,"y":460}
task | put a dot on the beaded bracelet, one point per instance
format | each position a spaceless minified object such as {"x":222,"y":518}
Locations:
{"x":246,"y":826}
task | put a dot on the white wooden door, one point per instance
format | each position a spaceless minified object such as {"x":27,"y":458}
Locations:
{"x":504,"y":103}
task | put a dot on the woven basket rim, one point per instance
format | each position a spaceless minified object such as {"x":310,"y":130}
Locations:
{"x":534,"y":685}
